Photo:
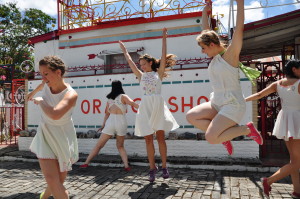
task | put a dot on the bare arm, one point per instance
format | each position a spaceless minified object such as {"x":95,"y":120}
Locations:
{"x":127,"y":100}
{"x":132,"y":65}
{"x":267,"y":91}
{"x":35,"y":91}
{"x":206,"y":10}
{"x":61,"y":108}
{"x":233,"y":51}
{"x":161,"y":69}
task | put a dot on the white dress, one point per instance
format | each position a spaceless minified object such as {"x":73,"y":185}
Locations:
{"x":227,"y":97}
{"x":56,"y":139}
{"x":116,"y":123}
{"x":287,"y":124}
{"x":153,"y":113}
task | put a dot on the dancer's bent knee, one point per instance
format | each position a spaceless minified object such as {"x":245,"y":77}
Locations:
{"x":211,"y":138}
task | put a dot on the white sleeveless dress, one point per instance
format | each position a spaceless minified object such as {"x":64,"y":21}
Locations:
{"x":153,"y":113}
{"x":116,"y":123}
{"x":227,"y":97}
{"x":287,"y":124}
{"x":56,"y":139}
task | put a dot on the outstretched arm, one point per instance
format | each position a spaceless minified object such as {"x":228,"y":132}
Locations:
{"x":61,"y":108}
{"x":37,"y":89}
{"x":127,"y":100}
{"x":234,"y":49}
{"x":131,"y":63}
{"x":161,"y":69}
{"x":267,"y":91}
{"x":206,"y":10}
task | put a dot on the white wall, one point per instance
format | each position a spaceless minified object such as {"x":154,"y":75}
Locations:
{"x":184,"y":46}
{"x":182,"y":90}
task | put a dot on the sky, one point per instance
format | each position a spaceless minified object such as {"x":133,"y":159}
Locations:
{"x":219,"y":6}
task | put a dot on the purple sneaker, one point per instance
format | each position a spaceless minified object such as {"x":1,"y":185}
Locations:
{"x":152,"y":173}
{"x":165,"y":173}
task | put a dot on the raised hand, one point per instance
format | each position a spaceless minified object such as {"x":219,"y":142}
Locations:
{"x":208,"y":6}
{"x":165,"y":32}
{"x":122,"y":46}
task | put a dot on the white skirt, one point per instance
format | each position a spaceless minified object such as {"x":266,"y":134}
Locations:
{"x":154,"y":115}
{"x":287,"y":125}
{"x":56,"y":142}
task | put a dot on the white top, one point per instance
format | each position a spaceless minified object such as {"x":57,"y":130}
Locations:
{"x":287,"y":124}
{"x":118,"y":102}
{"x":150,"y":83}
{"x":225,"y":81}
{"x":289,"y":96}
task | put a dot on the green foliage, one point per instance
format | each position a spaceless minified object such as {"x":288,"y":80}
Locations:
{"x":17,"y":27}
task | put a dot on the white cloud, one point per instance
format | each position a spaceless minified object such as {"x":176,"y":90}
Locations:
{"x":254,"y":14}
{"x":49,"y":7}
{"x":222,"y":7}
{"x":298,"y":4}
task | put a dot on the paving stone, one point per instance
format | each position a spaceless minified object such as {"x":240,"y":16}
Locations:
{"x":21,"y":180}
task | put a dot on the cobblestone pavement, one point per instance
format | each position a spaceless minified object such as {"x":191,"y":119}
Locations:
{"x":24,"y":180}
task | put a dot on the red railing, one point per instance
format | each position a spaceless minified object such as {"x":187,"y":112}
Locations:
{"x":11,"y":123}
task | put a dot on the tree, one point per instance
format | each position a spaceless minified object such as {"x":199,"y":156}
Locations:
{"x":17,"y":27}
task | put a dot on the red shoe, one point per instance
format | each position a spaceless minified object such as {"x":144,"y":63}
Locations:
{"x":254,"y":134}
{"x":266,"y":187}
{"x":228,"y":146}
{"x":127,"y":169}
{"x":83,"y":166}
{"x":295,"y":195}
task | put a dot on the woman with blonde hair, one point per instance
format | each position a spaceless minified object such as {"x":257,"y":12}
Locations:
{"x":219,"y":117}
{"x":55,"y":143}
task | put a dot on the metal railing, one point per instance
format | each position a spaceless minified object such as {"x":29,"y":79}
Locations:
{"x":74,"y":14}
{"x":11,"y":123}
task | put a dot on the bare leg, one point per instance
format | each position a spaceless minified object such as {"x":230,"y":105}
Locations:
{"x":100,"y":144}
{"x":47,"y":192}
{"x":53,"y":178}
{"x":200,"y":116}
{"x":150,"y":150}
{"x":294,"y":174}
{"x":160,"y":136}
{"x":222,"y":129}
{"x":122,"y":151}
{"x":291,"y":168}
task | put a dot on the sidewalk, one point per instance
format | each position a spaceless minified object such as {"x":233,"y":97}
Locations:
{"x":21,"y":178}
{"x":181,"y":154}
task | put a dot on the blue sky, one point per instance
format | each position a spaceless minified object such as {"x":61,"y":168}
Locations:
{"x":219,"y":6}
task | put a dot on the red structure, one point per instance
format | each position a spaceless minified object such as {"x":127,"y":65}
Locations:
{"x":11,"y":107}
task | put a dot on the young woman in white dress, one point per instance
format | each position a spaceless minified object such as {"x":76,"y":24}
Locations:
{"x":114,"y":122}
{"x":153,"y":115}
{"x":287,"y":126}
{"x":55,"y":143}
{"x":219,"y":117}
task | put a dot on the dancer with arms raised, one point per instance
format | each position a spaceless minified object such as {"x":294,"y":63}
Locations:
{"x":218,"y":117}
{"x":153,"y":115}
